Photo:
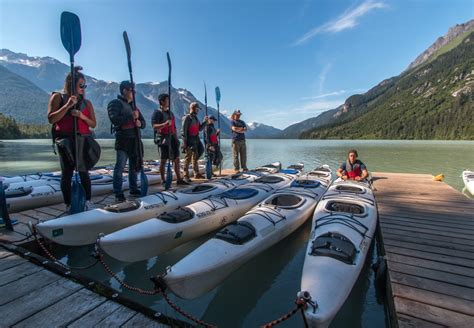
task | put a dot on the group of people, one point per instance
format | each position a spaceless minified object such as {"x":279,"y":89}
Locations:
{"x":126,"y":123}
{"x":127,"y":120}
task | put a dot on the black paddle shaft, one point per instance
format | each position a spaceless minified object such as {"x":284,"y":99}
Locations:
{"x":134,"y":103}
{"x":169,"y":99}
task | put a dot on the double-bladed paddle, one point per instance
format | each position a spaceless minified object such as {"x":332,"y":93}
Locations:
{"x":208,"y":159}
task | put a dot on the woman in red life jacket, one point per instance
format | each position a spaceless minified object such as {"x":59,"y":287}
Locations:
{"x":352,"y":168}
{"x":62,"y":108}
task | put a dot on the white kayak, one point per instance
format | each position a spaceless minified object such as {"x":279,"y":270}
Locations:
{"x":468,"y":178}
{"x":343,"y":228}
{"x":158,"y":235}
{"x":260,"y":228}
{"x":25,"y":198}
{"x":83,"y":228}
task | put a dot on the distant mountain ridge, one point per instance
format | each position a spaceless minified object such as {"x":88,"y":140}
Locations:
{"x":48,"y":74}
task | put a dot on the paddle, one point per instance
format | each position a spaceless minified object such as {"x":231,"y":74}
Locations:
{"x":169,"y":174}
{"x":208,"y":160}
{"x":71,"y":39}
{"x":143,"y":177}
{"x":218,"y":99}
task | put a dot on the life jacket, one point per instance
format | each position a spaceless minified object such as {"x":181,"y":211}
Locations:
{"x":167,"y":130}
{"x":213,"y":139}
{"x":353,"y":171}
{"x":65,"y":126}
{"x":193,"y":128}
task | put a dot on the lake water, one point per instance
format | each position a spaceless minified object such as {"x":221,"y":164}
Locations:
{"x":264,"y":288}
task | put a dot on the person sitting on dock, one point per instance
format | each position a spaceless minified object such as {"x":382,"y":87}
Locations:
{"x":352,"y":168}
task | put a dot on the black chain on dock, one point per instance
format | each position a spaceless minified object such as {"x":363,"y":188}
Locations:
{"x":302,"y":301}
{"x":35,"y":233}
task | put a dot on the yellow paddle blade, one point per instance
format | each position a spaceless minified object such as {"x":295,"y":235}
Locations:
{"x":439,"y":177}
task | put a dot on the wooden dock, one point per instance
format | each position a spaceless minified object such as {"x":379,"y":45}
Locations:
{"x":427,"y":233}
{"x":31,"y":296}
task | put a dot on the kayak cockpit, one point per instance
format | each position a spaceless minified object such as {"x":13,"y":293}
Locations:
{"x":237,"y":233}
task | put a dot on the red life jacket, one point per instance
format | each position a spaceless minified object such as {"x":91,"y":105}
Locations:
{"x":213,"y":138}
{"x":193,"y":129}
{"x":66,"y":124}
{"x":353,"y":171}
{"x":130,"y":124}
{"x":166,"y":130}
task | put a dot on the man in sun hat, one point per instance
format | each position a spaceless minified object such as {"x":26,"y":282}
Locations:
{"x":239,"y":149}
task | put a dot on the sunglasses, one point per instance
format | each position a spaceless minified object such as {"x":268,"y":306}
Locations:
{"x":82,"y":85}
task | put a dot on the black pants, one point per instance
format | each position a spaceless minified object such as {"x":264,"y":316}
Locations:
{"x":67,"y":171}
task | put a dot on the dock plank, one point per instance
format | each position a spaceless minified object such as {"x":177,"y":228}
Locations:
{"x":17,"y":272}
{"x":95,"y":316}
{"x":10,"y":262}
{"x":21,"y":310}
{"x":139,"y":320}
{"x":117,"y":318}
{"x":26,"y":285}
{"x":65,"y":311}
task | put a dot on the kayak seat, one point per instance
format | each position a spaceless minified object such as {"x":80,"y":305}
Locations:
{"x":286,"y":201}
{"x":127,"y":206}
{"x":305,"y":183}
{"x":177,"y":216}
{"x":237,"y":233}
{"x":18,"y":192}
{"x":351,"y":189}
{"x":239,"y":193}
{"x":322,"y":168}
{"x":298,"y":167}
{"x":336,"y":206}
{"x":270,"y":179}
{"x":334,"y":245}
{"x":198,"y":189}
{"x":289,"y":171}
{"x":319,"y":174}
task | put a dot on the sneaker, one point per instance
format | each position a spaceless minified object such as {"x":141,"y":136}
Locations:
{"x":89,"y":205}
{"x":120,"y":198}
{"x":187,"y":179}
{"x":199,"y":176}
{"x":182,"y":183}
{"x":68,"y":208}
{"x":135,"y":193}
{"x":245,"y":170}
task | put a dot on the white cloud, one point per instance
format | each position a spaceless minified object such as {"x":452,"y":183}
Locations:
{"x":322,"y":77}
{"x":347,"y":20}
{"x":333,"y":93}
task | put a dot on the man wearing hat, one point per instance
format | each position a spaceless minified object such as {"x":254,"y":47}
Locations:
{"x":164,"y":125}
{"x":192,"y":146}
{"x":124,"y":122}
{"x":239,"y":150}
{"x":211,"y":135}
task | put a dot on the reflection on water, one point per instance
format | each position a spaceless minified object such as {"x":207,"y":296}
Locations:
{"x":265,"y":287}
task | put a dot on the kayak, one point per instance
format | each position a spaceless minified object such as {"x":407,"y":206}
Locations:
{"x":165,"y":232}
{"x":260,"y":228}
{"x":24,"y":198}
{"x":322,"y":172}
{"x":344,"y":224}
{"x":468,"y":178}
{"x":83,"y":228}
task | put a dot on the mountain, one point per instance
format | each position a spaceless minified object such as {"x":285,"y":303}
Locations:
{"x":261,"y":131}
{"x":433,"y":99}
{"x":444,"y":43}
{"x":22,"y":99}
{"x":48,"y":74}
{"x":293,"y":131}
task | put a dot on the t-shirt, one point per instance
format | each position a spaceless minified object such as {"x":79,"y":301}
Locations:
{"x":236,"y":135}
{"x":362,"y":165}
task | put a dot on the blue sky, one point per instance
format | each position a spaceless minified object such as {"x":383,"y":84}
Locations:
{"x":279,"y":61}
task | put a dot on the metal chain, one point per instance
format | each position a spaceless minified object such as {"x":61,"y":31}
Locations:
{"x":302,"y":301}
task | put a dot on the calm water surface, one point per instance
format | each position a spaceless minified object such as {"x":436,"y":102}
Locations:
{"x":264,"y":288}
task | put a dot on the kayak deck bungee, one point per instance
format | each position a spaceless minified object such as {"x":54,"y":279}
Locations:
{"x":158,"y":235}
{"x":343,"y":228}
{"x":260,"y":228}
{"x":83,"y":228}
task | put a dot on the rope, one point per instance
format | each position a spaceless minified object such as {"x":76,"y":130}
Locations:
{"x":302,"y":300}
{"x":53,"y":258}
